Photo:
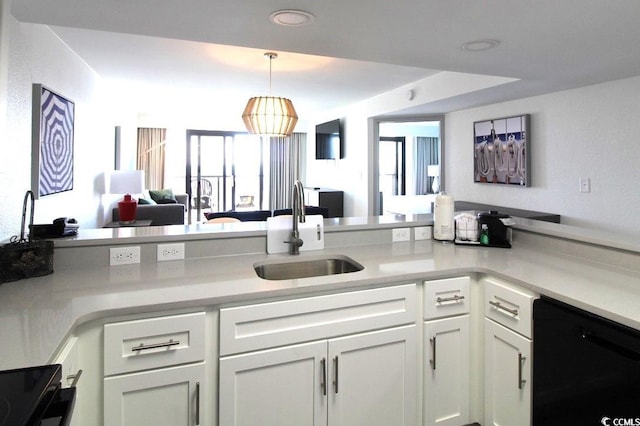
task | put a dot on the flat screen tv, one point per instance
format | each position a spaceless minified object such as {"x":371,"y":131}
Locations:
{"x":329,"y":140}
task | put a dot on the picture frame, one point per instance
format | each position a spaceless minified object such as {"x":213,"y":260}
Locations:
{"x":501,"y":151}
{"x":52,"y":134}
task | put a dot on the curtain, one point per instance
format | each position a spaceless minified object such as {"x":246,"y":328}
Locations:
{"x":151,"y":144}
{"x":426,"y":154}
{"x":284,"y":168}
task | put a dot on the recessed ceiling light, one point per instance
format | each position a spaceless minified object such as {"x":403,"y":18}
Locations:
{"x":480,"y":45}
{"x":291,"y":18}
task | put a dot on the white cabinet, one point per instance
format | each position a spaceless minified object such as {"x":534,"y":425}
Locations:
{"x":155,"y":371}
{"x":365,"y":379}
{"x":169,"y":396}
{"x":275,"y":387}
{"x":508,"y":347}
{"x":507,"y":376}
{"x":447,"y":350}
{"x":372,"y":378}
{"x":340,"y":359}
{"x":71,"y":374}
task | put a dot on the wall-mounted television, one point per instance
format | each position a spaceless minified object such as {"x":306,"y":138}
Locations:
{"x":329,"y":140}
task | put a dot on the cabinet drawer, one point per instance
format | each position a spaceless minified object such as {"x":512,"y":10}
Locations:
{"x":444,"y":298}
{"x":154,"y":342}
{"x":266,"y":325}
{"x":509,"y":305}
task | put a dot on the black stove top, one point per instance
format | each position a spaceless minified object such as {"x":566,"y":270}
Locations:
{"x":26,"y":393}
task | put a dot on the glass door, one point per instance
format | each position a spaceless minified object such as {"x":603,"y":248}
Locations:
{"x":392,"y":166}
{"x":224,"y":172}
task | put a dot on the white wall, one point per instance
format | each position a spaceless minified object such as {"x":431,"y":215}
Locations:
{"x":348,"y":174}
{"x":590,"y":132}
{"x":35,"y":55}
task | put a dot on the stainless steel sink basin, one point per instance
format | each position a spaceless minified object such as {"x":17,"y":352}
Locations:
{"x":307,"y":267}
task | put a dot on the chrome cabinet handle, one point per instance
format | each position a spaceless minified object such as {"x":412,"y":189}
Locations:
{"x":335,"y":374}
{"x":323,"y":377}
{"x":499,"y":307}
{"x":197,"y":403}
{"x":521,"y":381}
{"x":432,"y":361}
{"x":454,"y":298}
{"x":143,"y":347}
{"x":74,"y":378}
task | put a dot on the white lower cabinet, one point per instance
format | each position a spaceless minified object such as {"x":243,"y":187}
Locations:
{"x":155,"y":371}
{"x":169,"y":396}
{"x":446,"y":371}
{"x":507,"y":376}
{"x":508,"y":326}
{"x":363,"y":379}
{"x":71,"y":373}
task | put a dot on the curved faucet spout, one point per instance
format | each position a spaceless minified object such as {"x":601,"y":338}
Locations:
{"x":297,"y":211}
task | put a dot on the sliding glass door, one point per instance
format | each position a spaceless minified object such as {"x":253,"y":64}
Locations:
{"x":224,"y":171}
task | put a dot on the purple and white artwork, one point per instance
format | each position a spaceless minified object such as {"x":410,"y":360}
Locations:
{"x":53,"y":149}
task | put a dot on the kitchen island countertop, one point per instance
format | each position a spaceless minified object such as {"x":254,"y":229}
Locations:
{"x":39,"y":313}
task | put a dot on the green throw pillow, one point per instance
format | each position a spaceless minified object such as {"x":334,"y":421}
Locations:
{"x":145,"y":201}
{"x":162,"y":196}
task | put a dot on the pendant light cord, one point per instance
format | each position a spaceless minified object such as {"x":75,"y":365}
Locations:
{"x":271,"y":56}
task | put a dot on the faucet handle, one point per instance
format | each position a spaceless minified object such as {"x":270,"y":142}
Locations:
{"x":294,"y":245}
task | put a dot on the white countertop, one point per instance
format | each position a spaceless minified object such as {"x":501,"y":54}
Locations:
{"x":37,"y":314}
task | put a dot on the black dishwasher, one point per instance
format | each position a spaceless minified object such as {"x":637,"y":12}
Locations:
{"x":586,"y":369}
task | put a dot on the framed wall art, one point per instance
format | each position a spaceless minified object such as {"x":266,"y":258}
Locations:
{"x":501,"y":151}
{"x":52,"y":142}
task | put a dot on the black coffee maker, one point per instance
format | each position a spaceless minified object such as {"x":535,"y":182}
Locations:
{"x":498,"y":231}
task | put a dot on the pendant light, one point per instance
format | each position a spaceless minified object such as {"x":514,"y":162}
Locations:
{"x":270,"y":115}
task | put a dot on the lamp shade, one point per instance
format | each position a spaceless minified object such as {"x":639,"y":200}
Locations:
{"x":269,"y":115}
{"x":126,"y":182}
{"x":433,"y":170}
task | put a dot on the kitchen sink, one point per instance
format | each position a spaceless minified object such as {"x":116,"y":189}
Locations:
{"x":308,"y":267}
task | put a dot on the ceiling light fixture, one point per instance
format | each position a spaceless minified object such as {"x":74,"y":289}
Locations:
{"x":291,"y":18}
{"x":270,"y":115}
{"x":480,"y":45}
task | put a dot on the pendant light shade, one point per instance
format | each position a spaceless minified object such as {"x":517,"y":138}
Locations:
{"x":270,"y":115}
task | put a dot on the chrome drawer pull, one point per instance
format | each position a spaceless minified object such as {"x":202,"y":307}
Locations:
{"x":75,"y":378}
{"x":455,"y":298}
{"x":197,"y":403}
{"x":432,"y":361}
{"x":323,"y":378}
{"x":499,"y":307}
{"x":335,"y":374}
{"x":521,"y":381}
{"x":143,"y":347}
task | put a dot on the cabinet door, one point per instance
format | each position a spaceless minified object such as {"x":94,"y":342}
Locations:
{"x":446,"y":371}
{"x":279,"y":387}
{"x":372,"y":378}
{"x":68,"y":358}
{"x":507,"y":376}
{"x":170,"y":396}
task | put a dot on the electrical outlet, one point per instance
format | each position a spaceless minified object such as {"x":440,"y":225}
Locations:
{"x":422,"y":233}
{"x":170,"y":252}
{"x":124,"y":255}
{"x":401,"y":234}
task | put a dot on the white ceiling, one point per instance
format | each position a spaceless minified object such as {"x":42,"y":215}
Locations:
{"x":355,"y":49}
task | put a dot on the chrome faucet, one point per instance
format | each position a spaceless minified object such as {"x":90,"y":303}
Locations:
{"x":297,"y":211}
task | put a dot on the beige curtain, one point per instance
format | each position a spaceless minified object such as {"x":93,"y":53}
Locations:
{"x":285,"y":156}
{"x":151,"y":143}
